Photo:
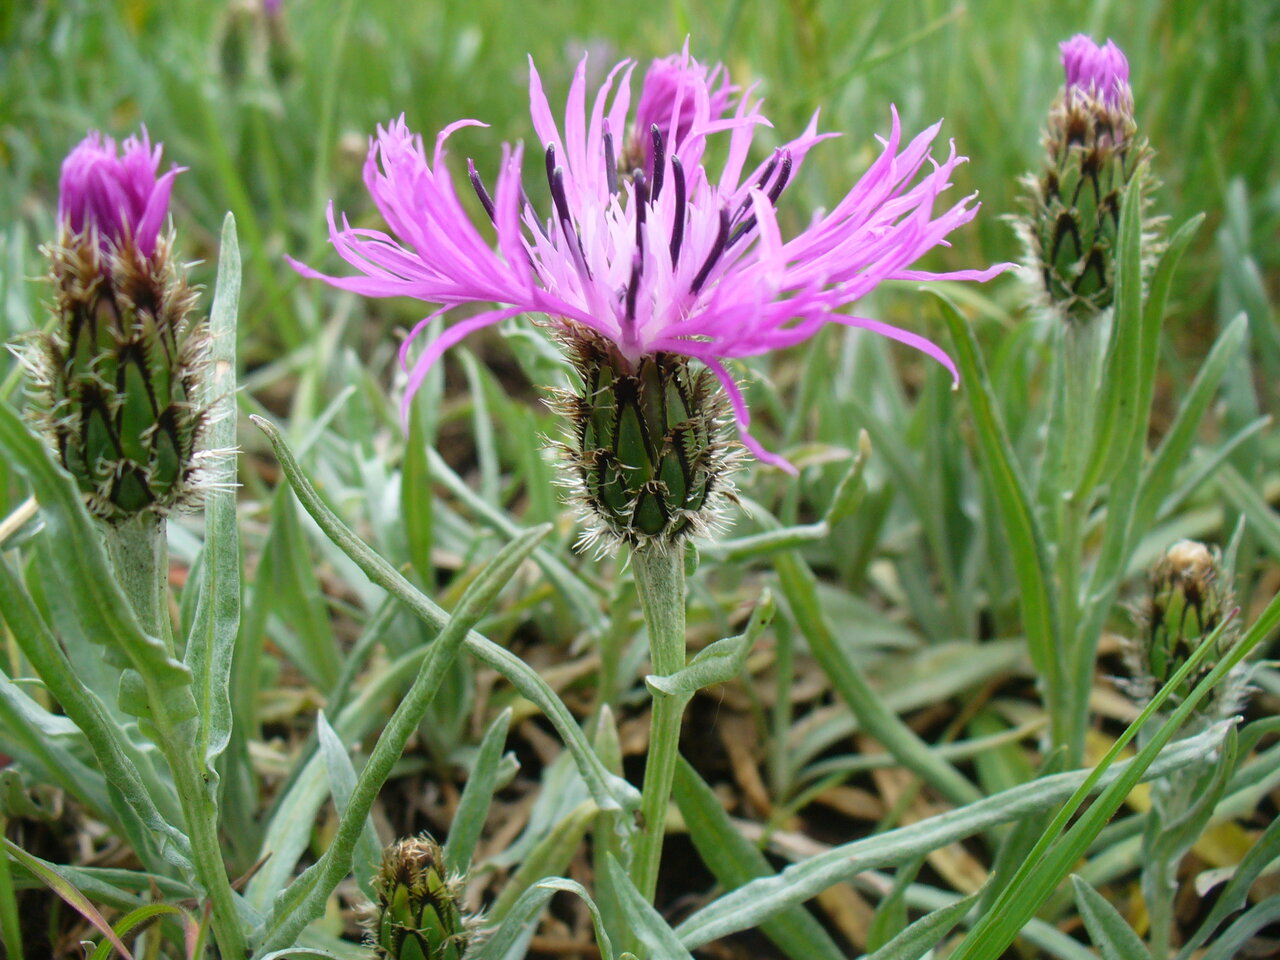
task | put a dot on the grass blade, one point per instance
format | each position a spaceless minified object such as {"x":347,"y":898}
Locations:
{"x":607,"y":790}
{"x":734,"y":860}
{"x":1026,"y":540}
{"x":49,"y":875}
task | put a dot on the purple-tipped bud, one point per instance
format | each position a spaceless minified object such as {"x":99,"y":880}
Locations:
{"x":117,"y":196}
{"x":1100,"y":71}
{"x":678,"y":94}
{"x":1092,"y":151}
{"x":119,"y":378}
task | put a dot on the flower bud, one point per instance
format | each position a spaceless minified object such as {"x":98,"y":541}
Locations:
{"x":1092,"y":153}
{"x":678,"y":94}
{"x":417,"y":916}
{"x":1190,"y":597}
{"x":647,"y":452}
{"x":118,"y":381}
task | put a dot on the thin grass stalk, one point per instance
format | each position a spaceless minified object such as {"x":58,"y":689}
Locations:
{"x":10,"y":925}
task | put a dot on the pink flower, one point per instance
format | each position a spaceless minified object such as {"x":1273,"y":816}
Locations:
{"x":118,"y":196}
{"x":674,"y":258}
{"x":1099,"y":71}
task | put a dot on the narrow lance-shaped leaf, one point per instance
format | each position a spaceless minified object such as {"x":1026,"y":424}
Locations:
{"x":1113,"y":937}
{"x":607,"y":790}
{"x":73,"y":556}
{"x":342,"y":781}
{"x":644,"y":923}
{"x":926,"y":933}
{"x":522,"y":919}
{"x":477,"y":795}
{"x":718,"y":662}
{"x":211,"y":644}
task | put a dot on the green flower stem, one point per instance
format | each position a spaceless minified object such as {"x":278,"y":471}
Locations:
{"x":140,"y":556}
{"x":1083,"y":346}
{"x":659,"y":575}
{"x":1174,"y":803}
{"x":10,"y":926}
{"x":201,"y":812}
{"x":1069,"y":729}
{"x":1160,"y":888}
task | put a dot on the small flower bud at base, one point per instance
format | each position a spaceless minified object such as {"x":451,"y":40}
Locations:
{"x":417,"y":915}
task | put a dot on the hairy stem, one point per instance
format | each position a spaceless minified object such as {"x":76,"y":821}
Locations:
{"x":140,"y":555}
{"x":659,"y":575}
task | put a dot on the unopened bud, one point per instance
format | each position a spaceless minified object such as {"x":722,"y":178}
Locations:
{"x":1190,"y":597}
{"x":677,"y":96}
{"x":418,"y":916}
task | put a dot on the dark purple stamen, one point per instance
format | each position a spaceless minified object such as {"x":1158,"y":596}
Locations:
{"x":743,"y":229}
{"x":784,"y":175}
{"x":768,"y":170}
{"x":555,"y":179}
{"x":659,"y":161}
{"x":717,"y":248}
{"x":610,"y":161}
{"x":561,"y":201}
{"x":478,"y":186}
{"x":780,"y":184}
{"x":633,"y":286}
{"x":677,"y":222}
{"x":527,"y":204}
{"x":641,"y":187}
{"x":743,"y":207}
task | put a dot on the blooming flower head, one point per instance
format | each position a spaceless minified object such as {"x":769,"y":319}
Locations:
{"x":1098,"y":71}
{"x":116,"y":195}
{"x":672,"y":259}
